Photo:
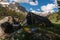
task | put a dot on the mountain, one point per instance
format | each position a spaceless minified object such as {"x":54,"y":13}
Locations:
{"x":17,"y":7}
{"x":13,"y":9}
{"x":13,"y":6}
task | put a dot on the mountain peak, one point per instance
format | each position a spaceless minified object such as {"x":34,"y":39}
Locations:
{"x":17,"y":7}
{"x":13,"y":6}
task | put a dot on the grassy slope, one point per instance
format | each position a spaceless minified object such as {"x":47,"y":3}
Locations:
{"x":53,"y":31}
{"x":53,"y":18}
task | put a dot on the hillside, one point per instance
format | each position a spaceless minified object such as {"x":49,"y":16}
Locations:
{"x":46,"y":33}
{"x":35,"y":32}
{"x":9,"y":12}
{"x":55,"y":18}
{"x":30,"y":32}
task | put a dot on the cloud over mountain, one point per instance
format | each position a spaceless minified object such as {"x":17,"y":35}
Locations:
{"x":45,"y":8}
{"x":34,"y":3}
{"x":34,"y":11}
{"x":48,"y":8}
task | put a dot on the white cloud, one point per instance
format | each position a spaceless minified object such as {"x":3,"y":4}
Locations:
{"x":45,"y":13}
{"x":52,"y":11}
{"x":34,"y":11}
{"x":45,"y":8}
{"x":34,"y":3}
{"x":48,"y":8}
{"x":39,"y":13}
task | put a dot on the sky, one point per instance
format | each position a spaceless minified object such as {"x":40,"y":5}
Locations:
{"x":38,"y":6}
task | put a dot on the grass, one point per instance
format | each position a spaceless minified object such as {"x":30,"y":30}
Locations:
{"x":55,"y":30}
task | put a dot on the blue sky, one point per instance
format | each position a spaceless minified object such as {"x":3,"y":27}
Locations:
{"x":35,"y":7}
{"x":38,"y":5}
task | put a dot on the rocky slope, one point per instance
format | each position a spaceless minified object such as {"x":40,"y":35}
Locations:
{"x":13,"y":6}
{"x":17,"y":7}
